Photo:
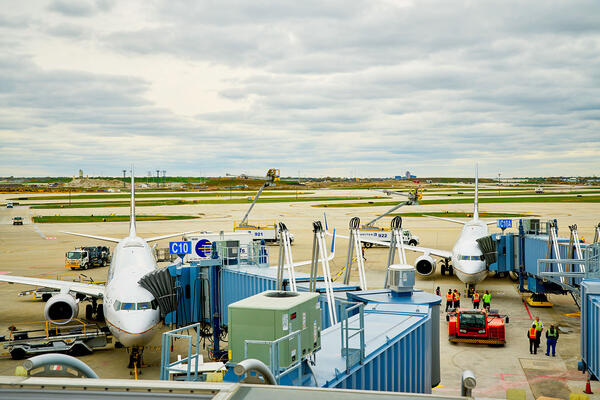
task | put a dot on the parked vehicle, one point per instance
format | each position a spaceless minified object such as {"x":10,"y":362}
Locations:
{"x":87,"y":257}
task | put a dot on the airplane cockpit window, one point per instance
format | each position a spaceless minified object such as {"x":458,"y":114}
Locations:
{"x":144,"y":306}
{"x":470,"y":258}
{"x":127,"y":306}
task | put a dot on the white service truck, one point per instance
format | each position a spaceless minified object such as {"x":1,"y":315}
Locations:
{"x":385,"y":235}
{"x":234,"y":244}
{"x":269,"y":233}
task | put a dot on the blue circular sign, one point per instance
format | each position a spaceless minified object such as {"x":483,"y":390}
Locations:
{"x":203,"y":248}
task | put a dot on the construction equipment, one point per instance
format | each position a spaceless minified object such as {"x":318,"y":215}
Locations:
{"x":370,"y":231}
{"x":75,"y":337}
{"x":87,"y":257}
{"x":269,"y":233}
{"x":476,"y":326}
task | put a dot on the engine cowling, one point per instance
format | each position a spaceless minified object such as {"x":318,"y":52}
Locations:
{"x":425,"y":265}
{"x":61,"y":308}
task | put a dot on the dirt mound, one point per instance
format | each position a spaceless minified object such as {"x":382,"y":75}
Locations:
{"x":94,"y":183}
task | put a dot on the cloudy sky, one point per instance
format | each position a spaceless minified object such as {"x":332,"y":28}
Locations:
{"x":315,"y":88}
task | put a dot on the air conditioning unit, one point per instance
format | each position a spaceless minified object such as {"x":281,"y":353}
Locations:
{"x":401,"y":278}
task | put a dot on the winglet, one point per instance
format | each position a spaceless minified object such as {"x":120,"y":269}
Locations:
{"x":132,"y":232}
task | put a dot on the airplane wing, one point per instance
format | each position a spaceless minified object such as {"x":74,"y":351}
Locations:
{"x":491,"y":222}
{"x":456,"y":221}
{"x":108,"y":239}
{"x":155,"y":238}
{"x":75,"y":287}
{"x":424,"y":250}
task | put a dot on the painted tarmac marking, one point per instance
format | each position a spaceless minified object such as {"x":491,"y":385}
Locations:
{"x":528,"y":312}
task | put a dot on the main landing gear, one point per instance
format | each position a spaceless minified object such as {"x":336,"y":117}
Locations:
{"x":446,"y":267}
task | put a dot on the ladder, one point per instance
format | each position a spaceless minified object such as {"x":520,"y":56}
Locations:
{"x":396,"y":245}
{"x":320,"y":247}
{"x":285,"y":258}
{"x":355,"y":247}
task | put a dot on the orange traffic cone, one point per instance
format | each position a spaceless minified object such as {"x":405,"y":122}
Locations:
{"x":588,"y":387}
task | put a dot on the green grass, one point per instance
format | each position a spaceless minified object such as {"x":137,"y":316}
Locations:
{"x":149,"y":203}
{"x":456,"y":214}
{"x":155,"y":195}
{"x":56,"y":219}
{"x":535,"y":199}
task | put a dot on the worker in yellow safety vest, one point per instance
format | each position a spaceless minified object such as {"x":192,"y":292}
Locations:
{"x":487,"y":299}
{"x":551,"y":338}
{"x":449,"y":299}
{"x":476,"y":300}
{"x":539,"y":327}
{"x":456,"y":297}
{"x":533,"y":339}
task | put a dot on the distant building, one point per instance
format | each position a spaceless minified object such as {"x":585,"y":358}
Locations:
{"x":407,"y":175}
{"x":80,"y":174}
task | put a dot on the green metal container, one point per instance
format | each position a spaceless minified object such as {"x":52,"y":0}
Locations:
{"x":269,"y":316}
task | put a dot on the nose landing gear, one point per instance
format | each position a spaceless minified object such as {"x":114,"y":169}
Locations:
{"x":135,"y":361}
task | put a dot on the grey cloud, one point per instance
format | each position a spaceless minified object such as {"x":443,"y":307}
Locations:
{"x":72,"y":8}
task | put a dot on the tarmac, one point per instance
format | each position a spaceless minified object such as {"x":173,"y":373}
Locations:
{"x":38,"y":250}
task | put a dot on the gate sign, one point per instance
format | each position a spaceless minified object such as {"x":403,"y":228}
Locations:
{"x":180,"y":247}
{"x":504,"y":223}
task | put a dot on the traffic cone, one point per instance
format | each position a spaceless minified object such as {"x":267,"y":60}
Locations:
{"x":588,"y":387}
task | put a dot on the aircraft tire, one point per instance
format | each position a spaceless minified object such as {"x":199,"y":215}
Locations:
{"x":450,"y":271}
{"x":89,"y":312}
{"x":412,"y":243}
{"x":443,"y":270}
{"x":368,"y":245}
{"x":100,"y":313}
{"x":17,"y":354}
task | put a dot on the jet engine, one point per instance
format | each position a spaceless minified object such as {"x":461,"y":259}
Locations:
{"x":61,"y":308}
{"x":425,"y":265}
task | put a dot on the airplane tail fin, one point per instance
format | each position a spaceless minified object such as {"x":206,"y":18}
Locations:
{"x":132,"y":232}
{"x":476,"y":202}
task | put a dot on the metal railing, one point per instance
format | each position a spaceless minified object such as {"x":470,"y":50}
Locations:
{"x":588,"y":267}
{"x":273,"y":365}
{"x":166,"y":367}
{"x":353,"y":355}
{"x":250,"y":254}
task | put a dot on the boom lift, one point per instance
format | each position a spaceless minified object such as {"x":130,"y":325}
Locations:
{"x":370,"y":231}
{"x":268,"y":233}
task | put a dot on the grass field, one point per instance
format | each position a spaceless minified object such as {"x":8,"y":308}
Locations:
{"x":149,"y":203}
{"x":57,"y":219}
{"x":534,"y":199}
{"x":456,"y":214}
{"x":155,"y":195}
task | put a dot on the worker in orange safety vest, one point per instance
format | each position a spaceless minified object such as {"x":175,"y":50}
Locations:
{"x":476,"y":300}
{"x":456,"y":297}
{"x":533,"y":341}
{"x":449,"y":299}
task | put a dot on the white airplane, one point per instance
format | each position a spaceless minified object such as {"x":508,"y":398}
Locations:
{"x":131,"y":312}
{"x":466,"y":256}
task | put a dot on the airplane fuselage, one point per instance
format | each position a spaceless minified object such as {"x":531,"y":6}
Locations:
{"x":467,"y":258}
{"x":131,"y":311}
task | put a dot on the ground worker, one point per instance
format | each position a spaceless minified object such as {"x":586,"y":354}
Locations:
{"x":487,"y":299}
{"x":551,"y":339}
{"x":456,"y":297}
{"x":533,"y":342}
{"x":476,"y":300}
{"x":363,"y":253}
{"x":539,"y":327}
{"x":438,"y":292}
{"x":449,"y":299}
